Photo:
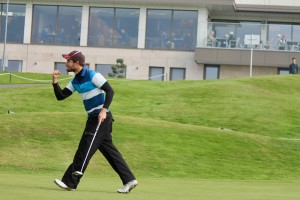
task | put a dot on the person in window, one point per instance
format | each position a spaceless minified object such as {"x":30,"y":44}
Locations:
{"x":164,"y":38}
{"x":224,"y":41}
{"x":293,"y":68}
{"x":44,"y":34}
{"x":124,"y":37}
{"x":231,"y":38}
{"x":281,"y":41}
{"x":211,"y":39}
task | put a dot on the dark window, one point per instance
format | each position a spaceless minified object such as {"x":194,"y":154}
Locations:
{"x":113,"y":27}
{"x":15,"y":23}
{"x":177,"y":73}
{"x":171,"y":29}
{"x":156,"y":73}
{"x":104,"y":69}
{"x":56,"y":25}
{"x":211,"y":72}
{"x":13,"y":65}
{"x":283,"y":71}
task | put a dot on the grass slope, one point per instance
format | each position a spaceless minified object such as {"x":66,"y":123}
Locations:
{"x":163,"y":129}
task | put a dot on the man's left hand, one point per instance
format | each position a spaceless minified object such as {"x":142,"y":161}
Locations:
{"x":102,"y":115}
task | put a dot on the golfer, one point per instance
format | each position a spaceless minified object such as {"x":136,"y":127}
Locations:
{"x":91,"y":86}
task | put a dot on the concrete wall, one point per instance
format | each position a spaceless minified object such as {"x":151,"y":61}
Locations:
{"x":241,"y":57}
{"x":227,"y":71}
{"x":41,"y":59}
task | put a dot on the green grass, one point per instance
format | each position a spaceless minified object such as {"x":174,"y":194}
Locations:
{"x":28,"y":187}
{"x":217,"y":133}
{"x":25,"y":78}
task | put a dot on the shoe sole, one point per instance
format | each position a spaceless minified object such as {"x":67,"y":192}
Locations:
{"x":68,"y":189}
{"x":132,"y":188}
{"x":128,"y":190}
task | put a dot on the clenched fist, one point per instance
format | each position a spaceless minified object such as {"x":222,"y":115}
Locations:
{"x":55,"y":76}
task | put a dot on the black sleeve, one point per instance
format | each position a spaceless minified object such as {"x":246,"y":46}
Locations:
{"x":290,"y":68}
{"x":59,"y":93}
{"x":109,"y":94}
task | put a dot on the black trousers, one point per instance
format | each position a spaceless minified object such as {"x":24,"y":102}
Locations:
{"x":102,"y":142}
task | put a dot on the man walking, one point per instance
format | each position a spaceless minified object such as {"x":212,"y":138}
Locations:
{"x":293,"y":68}
{"x":91,"y":86}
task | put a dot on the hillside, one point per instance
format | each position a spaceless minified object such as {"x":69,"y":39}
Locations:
{"x":223,"y":129}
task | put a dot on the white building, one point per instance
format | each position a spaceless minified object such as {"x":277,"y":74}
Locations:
{"x":158,"y":39}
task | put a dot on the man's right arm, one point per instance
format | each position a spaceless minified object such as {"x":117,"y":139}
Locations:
{"x":59,"y":93}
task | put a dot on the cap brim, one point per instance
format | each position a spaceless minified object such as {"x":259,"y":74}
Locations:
{"x":66,"y":56}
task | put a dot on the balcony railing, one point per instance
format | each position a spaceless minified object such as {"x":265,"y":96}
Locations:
{"x":281,"y":37}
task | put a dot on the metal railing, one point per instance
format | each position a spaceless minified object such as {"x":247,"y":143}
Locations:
{"x":282,"y":37}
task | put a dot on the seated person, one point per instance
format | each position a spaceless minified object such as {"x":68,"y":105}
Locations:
{"x":224,"y":41}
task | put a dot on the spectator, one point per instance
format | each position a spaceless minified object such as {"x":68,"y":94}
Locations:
{"x":231,"y":38}
{"x":281,"y":41}
{"x":124,"y":37}
{"x":293,"y":68}
{"x":211,"y":39}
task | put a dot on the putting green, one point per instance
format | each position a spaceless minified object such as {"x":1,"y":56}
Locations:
{"x":16,"y":187}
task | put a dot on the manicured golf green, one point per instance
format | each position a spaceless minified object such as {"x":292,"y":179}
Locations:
{"x":28,"y":187}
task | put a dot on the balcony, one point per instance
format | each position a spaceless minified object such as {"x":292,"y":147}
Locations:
{"x":230,"y":43}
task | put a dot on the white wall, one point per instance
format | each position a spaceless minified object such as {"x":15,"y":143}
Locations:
{"x":39,"y":59}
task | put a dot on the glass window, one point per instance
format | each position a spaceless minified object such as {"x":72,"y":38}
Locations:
{"x":167,"y":29}
{"x":278,"y":35}
{"x":113,"y":27}
{"x":283,"y":71}
{"x":61,"y":67}
{"x":184,"y":29}
{"x":100,"y":27}
{"x":13,"y":65}
{"x":222,"y":31}
{"x":104,"y":69}
{"x":211,"y":72}
{"x":15,"y":23}
{"x":56,"y":25}
{"x":156,"y":73}
{"x":158,"y":28}
{"x":177,"y":74}
{"x":68,"y":26}
{"x":246,"y":28}
{"x":233,"y":34}
{"x":126,"y":25}
{"x":296,"y":35}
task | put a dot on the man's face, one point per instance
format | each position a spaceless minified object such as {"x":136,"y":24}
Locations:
{"x":71,"y":65}
{"x":294,"y":61}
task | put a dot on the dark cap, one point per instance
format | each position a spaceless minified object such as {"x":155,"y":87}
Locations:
{"x":76,"y":56}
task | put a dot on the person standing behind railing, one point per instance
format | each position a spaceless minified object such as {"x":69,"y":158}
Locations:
{"x":293,"y":68}
{"x":211,"y":39}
